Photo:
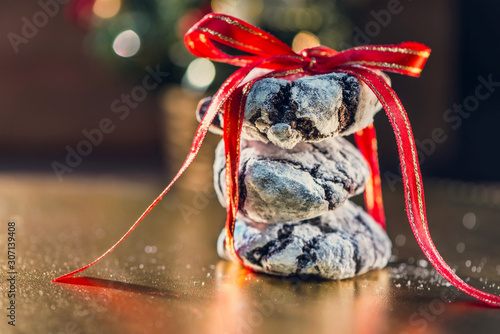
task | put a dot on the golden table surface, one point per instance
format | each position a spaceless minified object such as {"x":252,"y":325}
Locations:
{"x":167,"y":278}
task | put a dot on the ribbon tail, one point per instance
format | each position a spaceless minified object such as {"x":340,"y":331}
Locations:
{"x":412,"y":179}
{"x":195,"y":147}
{"x":366,"y":141}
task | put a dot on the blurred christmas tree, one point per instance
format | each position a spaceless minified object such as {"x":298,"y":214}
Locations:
{"x":133,"y":34}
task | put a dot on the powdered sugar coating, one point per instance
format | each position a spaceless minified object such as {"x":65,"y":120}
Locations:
{"x":278,"y":185}
{"x":337,"y":245}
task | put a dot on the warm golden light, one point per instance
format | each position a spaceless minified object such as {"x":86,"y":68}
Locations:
{"x":106,"y":9}
{"x":243,"y":9}
{"x":304,"y":40}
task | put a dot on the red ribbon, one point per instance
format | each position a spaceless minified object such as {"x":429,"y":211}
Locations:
{"x":263,"y":50}
{"x":366,"y":141}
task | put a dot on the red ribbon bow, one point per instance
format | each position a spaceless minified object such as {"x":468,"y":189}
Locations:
{"x":267,"y":52}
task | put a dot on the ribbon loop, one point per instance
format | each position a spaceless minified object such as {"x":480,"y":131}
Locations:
{"x":236,"y":34}
{"x":406,"y":58}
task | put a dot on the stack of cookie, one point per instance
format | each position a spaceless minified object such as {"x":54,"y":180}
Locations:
{"x":296,"y":176}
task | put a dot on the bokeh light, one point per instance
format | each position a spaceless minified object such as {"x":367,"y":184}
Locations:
{"x":304,"y":40}
{"x":106,"y":9}
{"x":127,"y":43}
{"x":200,"y":74}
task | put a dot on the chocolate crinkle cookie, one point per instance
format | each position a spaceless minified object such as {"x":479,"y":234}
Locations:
{"x":336,"y":245}
{"x":309,"y":109}
{"x":279,"y":185}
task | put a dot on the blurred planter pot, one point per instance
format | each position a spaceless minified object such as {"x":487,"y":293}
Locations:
{"x":179,"y":123}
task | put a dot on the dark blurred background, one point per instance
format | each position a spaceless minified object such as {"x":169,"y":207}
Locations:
{"x":65,"y":68}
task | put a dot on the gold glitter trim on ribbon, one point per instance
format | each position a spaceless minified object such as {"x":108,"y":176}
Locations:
{"x":411,"y":69}
{"x":239,"y":25}
{"x":424,"y":54}
{"x":228,"y":39}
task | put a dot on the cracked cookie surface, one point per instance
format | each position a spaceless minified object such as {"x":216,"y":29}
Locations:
{"x":336,"y":245}
{"x":278,"y":185}
{"x":308,"y":109}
